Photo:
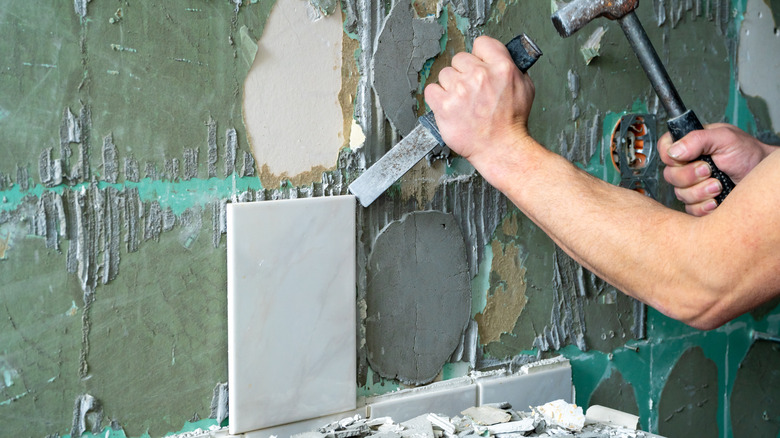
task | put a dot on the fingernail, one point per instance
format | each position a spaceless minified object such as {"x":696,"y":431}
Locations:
{"x":709,"y":205}
{"x":714,"y":187}
{"x":676,"y":151}
{"x":702,"y":170}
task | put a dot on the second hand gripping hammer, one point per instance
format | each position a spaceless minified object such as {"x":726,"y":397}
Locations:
{"x":576,"y":14}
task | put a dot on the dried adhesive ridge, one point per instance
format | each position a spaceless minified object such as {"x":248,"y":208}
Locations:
{"x":418,"y":296}
{"x":507,"y":299}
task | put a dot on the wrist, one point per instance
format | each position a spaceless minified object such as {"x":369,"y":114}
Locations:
{"x":507,"y":158}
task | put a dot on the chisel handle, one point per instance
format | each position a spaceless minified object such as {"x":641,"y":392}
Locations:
{"x":524,"y":53}
{"x":683,"y":124}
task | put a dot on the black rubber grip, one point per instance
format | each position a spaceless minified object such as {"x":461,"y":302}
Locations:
{"x":679,"y":127}
{"x":524,"y":53}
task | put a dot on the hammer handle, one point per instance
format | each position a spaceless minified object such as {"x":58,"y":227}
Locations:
{"x":682,"y":120}
{"x":683,"y":124}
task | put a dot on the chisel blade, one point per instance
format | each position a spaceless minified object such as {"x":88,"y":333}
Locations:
{"x":395,"y":163}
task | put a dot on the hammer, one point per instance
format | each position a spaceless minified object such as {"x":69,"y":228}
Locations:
{"x":578,"y":13}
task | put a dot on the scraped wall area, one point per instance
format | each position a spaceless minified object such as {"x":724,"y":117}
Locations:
{"x":128,"y":126}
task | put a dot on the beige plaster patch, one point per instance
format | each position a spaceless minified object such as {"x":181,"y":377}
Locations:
{"x":508,"y":299}
{"x":4,"y":245}
{"x":350,"y":76}
{"x":510,"y":226}
{"x":292,"y":108}
{"x":422,"y":181}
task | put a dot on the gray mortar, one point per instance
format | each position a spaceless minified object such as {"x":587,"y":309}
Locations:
{"x":478,"y":208}
{"x":418,"y":297}
{"x":404,"y":44}
{"x":755,"y":398}
{"x":689,"y":400}
{"x":614,"y":392}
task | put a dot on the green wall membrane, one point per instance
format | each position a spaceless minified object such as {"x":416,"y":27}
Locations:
{"x":648,"y":367}
{"x":123,"y":140}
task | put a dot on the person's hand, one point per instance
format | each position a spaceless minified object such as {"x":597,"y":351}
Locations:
{"x":734,"y":152}
{"x":481,"y":102}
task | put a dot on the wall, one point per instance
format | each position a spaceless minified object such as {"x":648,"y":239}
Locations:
{"x":127,"y":127}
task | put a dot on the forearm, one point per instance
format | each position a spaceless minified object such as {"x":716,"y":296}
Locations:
{"x":596,"y":222}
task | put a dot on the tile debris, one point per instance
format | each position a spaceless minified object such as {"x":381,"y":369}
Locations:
{"x":554,"y":419}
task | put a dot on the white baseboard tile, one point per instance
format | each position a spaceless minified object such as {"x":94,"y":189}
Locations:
{"x":448,"y":398}
{"x":540,"y":385}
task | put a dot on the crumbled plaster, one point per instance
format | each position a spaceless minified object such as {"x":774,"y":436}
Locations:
{"x":291,"y":102}
{"x":416,"y":264}
{"x":403,"y":46}
{"x":758,"y":58}
{"x":506,"y":301}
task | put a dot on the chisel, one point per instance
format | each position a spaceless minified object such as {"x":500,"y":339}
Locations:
{"x":424,"y":137}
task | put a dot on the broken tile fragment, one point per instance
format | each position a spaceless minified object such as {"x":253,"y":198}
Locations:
{"x":418,"y":427}
{"x":487,"y":415}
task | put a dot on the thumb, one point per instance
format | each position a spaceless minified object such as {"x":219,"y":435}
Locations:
{"x":688,"y":148}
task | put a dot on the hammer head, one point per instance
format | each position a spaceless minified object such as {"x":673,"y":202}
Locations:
{"x":577,"y":13}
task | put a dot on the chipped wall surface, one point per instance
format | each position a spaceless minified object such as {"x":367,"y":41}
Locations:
{"x":128,"y":126}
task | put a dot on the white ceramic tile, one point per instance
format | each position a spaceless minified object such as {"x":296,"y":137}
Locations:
{"x":310,"y":425}
{"x":521,"y":391}
{"x":448,"y":398}
{"x":291,"y":310}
